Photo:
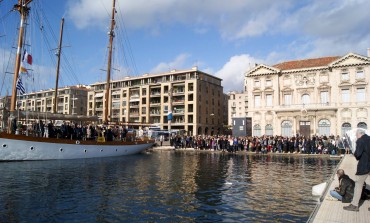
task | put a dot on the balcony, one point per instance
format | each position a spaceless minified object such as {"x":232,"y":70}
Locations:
{"x":311,"y":106}
{"x":155,"y":93}
{"x":134,"y":104}
{"x":155,"y":102}
{"x":134,"y":114}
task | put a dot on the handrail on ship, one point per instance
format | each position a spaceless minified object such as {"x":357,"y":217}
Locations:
{"x":329,"y":181}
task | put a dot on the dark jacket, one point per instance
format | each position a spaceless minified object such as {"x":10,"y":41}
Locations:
{"x":346,"y":188}
{"x":362,"y":154}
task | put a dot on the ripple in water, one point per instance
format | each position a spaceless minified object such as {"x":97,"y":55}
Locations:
{"x":163,"y":187}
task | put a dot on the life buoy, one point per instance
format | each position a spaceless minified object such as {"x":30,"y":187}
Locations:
{"x":77,"y":142}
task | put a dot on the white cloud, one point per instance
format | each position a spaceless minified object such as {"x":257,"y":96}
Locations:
{"x":232,"y":73}
{"x":299,"y":29}
{"x":234,"y":18}
{"x":178,"y":63}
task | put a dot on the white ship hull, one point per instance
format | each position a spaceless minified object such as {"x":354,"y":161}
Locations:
{"x":11,"y":149}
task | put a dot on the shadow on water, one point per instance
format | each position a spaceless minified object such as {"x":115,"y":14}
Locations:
{"x":163,"y":186}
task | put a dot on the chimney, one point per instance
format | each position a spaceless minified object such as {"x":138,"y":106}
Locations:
{"x":368,"y":52}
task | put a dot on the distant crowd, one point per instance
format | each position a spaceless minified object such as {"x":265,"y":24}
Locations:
{"x":77,"y":132}
{"x":265,"y":144}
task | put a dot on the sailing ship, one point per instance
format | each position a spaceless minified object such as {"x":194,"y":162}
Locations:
{"x":23,"y":147}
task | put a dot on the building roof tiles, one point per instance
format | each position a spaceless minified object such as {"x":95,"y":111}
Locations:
{"x":307,"y":63}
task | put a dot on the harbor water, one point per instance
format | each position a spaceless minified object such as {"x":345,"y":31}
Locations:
{"x":163,"y":186}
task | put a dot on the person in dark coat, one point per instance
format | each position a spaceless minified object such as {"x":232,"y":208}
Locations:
{"x":362,"y":154}
{"x":344,"y":192}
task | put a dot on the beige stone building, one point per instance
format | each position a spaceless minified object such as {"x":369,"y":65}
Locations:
{"x":70,"y":100}
{"x":4,"y":111}
{"x":196,"y":105}
{"x":237,"y":105}
{"x":320,"y":96}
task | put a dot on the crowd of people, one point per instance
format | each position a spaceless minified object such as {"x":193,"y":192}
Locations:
{"x":265,"y":144}
{"x":75,"y":131}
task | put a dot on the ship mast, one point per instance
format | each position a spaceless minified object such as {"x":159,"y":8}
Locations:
{"x":59,"y":52}
{"x":107,"y":88}
{"x":23,"y":9}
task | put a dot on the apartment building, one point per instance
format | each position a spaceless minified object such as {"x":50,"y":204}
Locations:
{"x":322,"y":96}
{"x":194,"y":97}
{"x":4,"y":111}
{"x":70,"y":100}
{"x":237,"y":105}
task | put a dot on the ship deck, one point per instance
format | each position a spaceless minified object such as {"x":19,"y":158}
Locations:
{"x":332,"y":211}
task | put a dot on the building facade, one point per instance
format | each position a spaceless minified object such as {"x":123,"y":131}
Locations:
{"x":194,"y":97}
{"x":70,"y":100}
{"x":321,"y":96}
{"x":237,"y":105}
{"x":4,"y":111}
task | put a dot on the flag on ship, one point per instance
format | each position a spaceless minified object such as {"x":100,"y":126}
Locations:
{"x":23,"y":69}
{"x":20,"y":86}
{"x":27,"y":57}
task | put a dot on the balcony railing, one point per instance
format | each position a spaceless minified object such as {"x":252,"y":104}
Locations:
{"x":305,"y":106}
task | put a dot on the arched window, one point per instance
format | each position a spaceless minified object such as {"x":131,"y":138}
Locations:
{"x":286,"y":128}
{"x":345,"y":127}
{"x":269,"y":130}
{"x":256,"y":130}
{"x":199,"y":130}
{"x":305,"y":99}
{"x":362,"y":125}
{"x":324,"y":127}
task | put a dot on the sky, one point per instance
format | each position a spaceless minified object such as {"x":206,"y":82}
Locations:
{"x":224,"y":38}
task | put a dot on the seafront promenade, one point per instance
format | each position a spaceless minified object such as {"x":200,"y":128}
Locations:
{"x":332,"y":211}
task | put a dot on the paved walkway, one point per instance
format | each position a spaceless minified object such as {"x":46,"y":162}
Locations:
{"x":332,"y":211}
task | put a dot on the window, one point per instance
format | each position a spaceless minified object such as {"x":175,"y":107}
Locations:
{"x":257,"y":83}
{"x":257,"y":130}
{"x":286,"y":128}
{"x":324,"y":127}
{"x":269,"y":100}
{"x":345,"y":95}
{"x":257,"y":100}
{"x":268,"y":83}
{"x":345,"y":76}
{"x":305,"y":99}
{"x":324,"y":97}
{"x":360,"y":94}
{"x":287,"y":99}
{"x":269,"y":130}
{"x":346,"y":127}
{"x":360,"y":74}
{"x":362,"y":125}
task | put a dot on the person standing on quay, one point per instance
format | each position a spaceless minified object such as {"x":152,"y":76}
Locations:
{"x":362,"y":154}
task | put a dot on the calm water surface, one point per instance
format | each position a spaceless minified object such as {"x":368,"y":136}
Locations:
{"x":164,"y":186}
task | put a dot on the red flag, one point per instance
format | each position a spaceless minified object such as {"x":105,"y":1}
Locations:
{"x":27,"y":57}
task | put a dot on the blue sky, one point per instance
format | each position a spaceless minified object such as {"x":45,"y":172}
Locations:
{"x":223,"y":38}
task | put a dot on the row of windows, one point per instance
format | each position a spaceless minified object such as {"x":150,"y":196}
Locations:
{"x":306,"y":99}
{"x":360,"y":74}
{"x":345,"y":76}
{"x":323,"y":128}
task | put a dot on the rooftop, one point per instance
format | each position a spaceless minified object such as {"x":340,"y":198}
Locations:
{"x":307,"y":63}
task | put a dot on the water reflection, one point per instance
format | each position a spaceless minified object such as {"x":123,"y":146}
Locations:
{"x":163,"y":187}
